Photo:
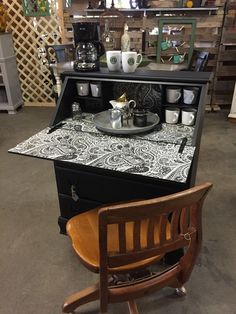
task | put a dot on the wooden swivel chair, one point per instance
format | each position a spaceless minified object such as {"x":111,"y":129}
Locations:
{"x":131,"y":236}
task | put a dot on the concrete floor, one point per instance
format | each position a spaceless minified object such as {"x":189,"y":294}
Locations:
{"x":37,"y":265}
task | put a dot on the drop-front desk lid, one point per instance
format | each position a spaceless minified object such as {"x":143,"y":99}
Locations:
{"x":154,"y":154}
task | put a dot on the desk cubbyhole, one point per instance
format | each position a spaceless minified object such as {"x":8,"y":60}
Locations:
{"x":181,"y":96}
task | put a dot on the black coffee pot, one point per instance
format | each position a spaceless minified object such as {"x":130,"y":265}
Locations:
{"x":88,"y":46}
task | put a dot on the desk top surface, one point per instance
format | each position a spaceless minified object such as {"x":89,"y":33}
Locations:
{"x":144,"y":74}
{"x":69,"y":66}
{"x":153,"y":155}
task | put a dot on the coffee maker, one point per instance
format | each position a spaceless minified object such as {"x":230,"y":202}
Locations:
{"x":88,"y":46}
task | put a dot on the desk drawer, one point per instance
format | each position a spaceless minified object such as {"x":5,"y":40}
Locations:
{"x":108,"y":188}
{"x":70,"y":208}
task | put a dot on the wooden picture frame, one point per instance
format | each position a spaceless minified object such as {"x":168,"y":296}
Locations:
{"x":36,"y":7}
{"x":182,"y":22}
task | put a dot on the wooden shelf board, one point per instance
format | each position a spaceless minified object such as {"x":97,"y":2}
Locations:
{"x":159,"y":9}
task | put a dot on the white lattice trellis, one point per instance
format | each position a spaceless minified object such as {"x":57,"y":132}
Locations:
{"x":30,"y":35}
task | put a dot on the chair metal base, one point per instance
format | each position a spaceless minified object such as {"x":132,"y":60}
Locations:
{"x":181,"y":292}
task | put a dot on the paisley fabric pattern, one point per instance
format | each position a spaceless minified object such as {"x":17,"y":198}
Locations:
{"x":169,"y":133}
{"x":147,"y":96}
{"x":83,"y":145}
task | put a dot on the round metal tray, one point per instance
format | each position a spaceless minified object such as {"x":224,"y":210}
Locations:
{"x":102,"y":123}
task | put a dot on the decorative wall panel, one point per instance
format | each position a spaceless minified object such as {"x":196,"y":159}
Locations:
{"x":30,"y":35}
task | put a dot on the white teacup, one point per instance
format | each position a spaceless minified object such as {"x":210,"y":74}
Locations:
{"x":172,"y":115}
{"x":188,"y":116}
{"x":82,"y":88}
{"x":95,"y":89}
{"x":113,"y":60}
{"x":130,"y":61}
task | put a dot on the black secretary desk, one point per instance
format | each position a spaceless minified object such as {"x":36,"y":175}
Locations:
{"x":93,"y":168}
{"x":81,"y":187}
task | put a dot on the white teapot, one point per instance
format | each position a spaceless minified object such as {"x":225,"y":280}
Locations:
{"x":124,"y":105}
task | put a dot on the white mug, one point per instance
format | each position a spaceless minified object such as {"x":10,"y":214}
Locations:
{"x":95,"y":89}
{"x":130,"y":61}
{"x":82,"y":88}
{"x":173,"y":94}
{"x":188,"y":116}
{"x":190,"y":95}
{"x":113,"y":60}
{"x":172,"y":115}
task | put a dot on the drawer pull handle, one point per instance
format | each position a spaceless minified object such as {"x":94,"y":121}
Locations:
{"x":74,"y":195}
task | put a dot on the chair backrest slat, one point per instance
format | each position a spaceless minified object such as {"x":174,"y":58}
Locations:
{"x":175,"y":224}
{"x":122,"y":238}
{"x":162,"y":228}
{"x":136,"y":235}
{"x":184,"y":220}
{"x":150,"y":232}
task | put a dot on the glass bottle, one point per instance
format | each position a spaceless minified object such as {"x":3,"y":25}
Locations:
{"x":107,"y":37}
{"x":125,"y":39}
{"x":76,"y":111}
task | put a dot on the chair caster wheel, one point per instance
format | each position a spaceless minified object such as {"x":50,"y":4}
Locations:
{"x":181,"y":292}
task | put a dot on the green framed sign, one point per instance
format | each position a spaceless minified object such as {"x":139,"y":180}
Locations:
{"x":36,"y":7}
{"x":169,"y":34}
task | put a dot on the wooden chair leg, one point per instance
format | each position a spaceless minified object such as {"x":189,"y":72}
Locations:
{"x":132,"y":307}
{"x":82,"y":297}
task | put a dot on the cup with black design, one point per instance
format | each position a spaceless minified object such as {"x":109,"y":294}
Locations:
{"x":173,"y":94}
{"x":130,"y":61}
{"x":172,"y":115}
{"x":113,"y":60}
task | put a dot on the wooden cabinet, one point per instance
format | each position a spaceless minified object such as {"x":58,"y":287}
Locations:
{"x":10,"y":93}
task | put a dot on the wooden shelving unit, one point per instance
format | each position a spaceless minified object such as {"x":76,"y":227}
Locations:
{"x":225,"y":74}
{"x":209,"y":21}
{"x":149,"y":11}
